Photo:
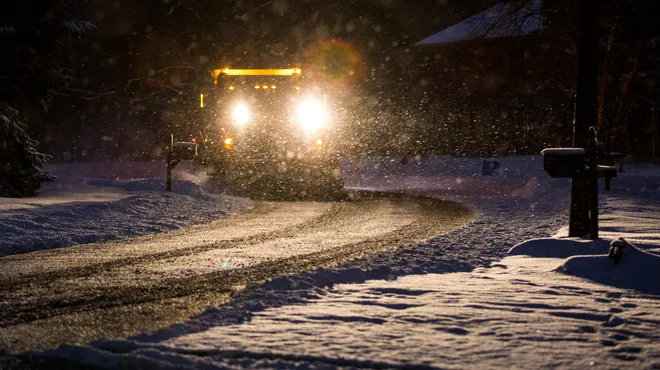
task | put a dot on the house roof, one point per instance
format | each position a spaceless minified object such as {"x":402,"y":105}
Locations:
{"x":502,"y":20}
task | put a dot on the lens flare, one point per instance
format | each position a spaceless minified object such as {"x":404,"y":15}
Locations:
{"x":335,"y":62}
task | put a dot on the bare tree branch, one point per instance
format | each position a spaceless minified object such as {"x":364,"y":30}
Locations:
{"x":132,"y":80}
{"x":88,"y":94}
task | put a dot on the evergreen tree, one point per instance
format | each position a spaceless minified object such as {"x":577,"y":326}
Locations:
{"x":21,"y":165}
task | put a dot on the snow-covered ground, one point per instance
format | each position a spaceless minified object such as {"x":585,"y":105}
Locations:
{"x":91,"y":202}
{"x":474,"y":298}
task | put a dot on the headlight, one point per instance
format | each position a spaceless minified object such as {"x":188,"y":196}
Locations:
{"x":240,"y":114}
{"x":311,"y":115}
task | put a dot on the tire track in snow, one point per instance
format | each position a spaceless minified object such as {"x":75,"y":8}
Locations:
{"x":64,"y":298}
{"x":11,"y":265}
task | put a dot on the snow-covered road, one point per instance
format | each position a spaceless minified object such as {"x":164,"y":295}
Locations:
{"x":47,"y":292}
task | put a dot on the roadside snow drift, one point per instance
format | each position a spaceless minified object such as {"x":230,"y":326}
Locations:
{"x":98,"y":202}
{"x":637,"y":270}
{"x":517,"y":312}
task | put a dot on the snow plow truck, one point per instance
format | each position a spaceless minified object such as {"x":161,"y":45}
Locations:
{"x":269,"y":135}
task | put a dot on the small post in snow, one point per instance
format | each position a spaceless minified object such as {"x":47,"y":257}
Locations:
{"x":592,"y":179}
{"x":169,"y":164}
{"x":176,"y":152}
{"x":168,"y":180}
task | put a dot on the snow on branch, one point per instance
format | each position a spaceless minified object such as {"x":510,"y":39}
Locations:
{"x":6,"y":29}
{"x":78,"y":27}
{"x":510,"y":19}
{"x":506,"y":19}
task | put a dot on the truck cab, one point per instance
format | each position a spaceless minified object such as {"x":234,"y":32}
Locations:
{"x":269,"y":127}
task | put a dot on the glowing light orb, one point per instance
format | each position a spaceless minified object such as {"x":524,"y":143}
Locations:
{"x":336,"y":62}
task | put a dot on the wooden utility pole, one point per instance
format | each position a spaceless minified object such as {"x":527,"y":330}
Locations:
{"x":586,"y":114}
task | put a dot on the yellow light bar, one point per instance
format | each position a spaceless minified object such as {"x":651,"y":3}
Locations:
{"x":201,"y":101}
{"x":258,"y":72}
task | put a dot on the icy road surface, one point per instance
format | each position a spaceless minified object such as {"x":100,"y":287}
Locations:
{"x":75,"y":294}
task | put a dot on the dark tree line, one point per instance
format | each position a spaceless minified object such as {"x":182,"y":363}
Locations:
{"x":35,"y":38}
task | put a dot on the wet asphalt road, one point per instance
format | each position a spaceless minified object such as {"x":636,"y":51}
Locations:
{"x":123,"y":288}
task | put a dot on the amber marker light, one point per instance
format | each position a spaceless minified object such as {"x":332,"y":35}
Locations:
{"x":229,"y":142}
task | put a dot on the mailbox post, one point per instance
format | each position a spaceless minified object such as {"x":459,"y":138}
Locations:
{"x":592,"y":181}
{"x":582,"y":167}
{"x":572,"y":163}
{"x":176,"y":152}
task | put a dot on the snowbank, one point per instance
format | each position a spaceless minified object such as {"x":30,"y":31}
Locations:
{"x":93,"y":202}
{"x":588,"y":259}
{"x":513,"y":167}
{"x":457,"y":301}
{"x":517,"y":177}
{"x":637,"y":270}
{"x":559,"y":248}
{"x":632,"y":211}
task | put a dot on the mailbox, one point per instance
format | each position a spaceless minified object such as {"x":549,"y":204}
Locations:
{"x":177,"y":152}
{"x":184,"y":150}
{"x":563,"y":162}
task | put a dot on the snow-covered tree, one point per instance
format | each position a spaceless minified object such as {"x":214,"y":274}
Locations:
{"x":21,"y":165}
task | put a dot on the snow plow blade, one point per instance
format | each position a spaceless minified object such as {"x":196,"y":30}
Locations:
{"x":320,"y":182}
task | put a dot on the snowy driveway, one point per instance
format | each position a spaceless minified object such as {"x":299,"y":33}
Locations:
{"x":50,"y":296}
